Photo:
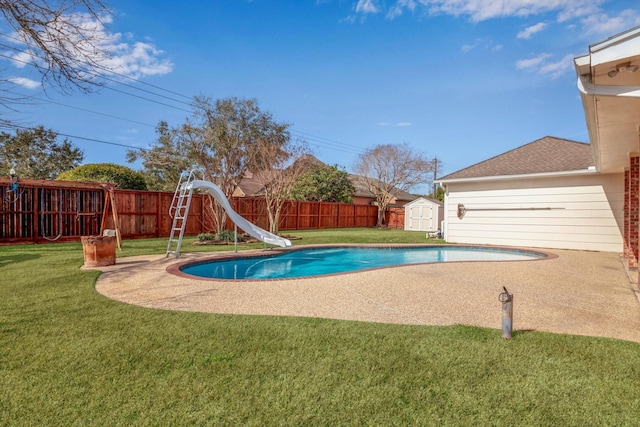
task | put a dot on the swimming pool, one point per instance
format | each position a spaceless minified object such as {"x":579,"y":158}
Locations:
{"x":336,"y":260}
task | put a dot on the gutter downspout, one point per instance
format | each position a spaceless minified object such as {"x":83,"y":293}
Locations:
{"x":445,"y":220}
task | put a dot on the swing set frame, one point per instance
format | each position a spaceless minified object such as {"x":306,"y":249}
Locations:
{"x":49,"y":211}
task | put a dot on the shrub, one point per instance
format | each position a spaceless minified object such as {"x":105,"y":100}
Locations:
{"x":206,"y":237}
{"x":226,"y":236}
{"x":123,"y":177}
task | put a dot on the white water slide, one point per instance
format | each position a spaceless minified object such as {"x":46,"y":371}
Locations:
{"x":252,"y":229}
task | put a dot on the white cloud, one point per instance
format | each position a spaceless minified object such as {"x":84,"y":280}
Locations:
{"x":25,"y":82}
{"x":481,"y":10}
{"x":19,"y":59}
{"x":588,"y":11}
{"x":137,"y":60}
{"x":529,"y":31}
{"x":481,"y":43}
{"x":604,"y":24}
{"x":403,"y":124}
{"x":525,"y":64}
{"x":366,"y":6}
{"x":578,"y":9}
{"x":542,"y":64}
{"x":108,"y":51}
{"x":558,"y":68}
{"x":589,"y":14}
{"x":399,"y":8}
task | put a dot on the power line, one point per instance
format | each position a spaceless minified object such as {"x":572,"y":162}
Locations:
{"x":86,"y":110}
{"x":313,"y":139}
{"x":101,"y":67}
{"x":147,"y":99}
{"x":329,"y":143}
{"x":113,"y":89}
{"x":15,"y":126}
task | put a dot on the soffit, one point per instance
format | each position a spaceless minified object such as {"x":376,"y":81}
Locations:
{"x":613,"y":121}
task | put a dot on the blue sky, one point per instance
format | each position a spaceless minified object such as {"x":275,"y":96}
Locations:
{"x":460,"y":80}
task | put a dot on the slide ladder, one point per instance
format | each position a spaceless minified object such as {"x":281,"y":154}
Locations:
{"x":179,"y":210}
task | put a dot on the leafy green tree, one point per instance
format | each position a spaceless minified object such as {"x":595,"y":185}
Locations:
{"x":220,"y":138}
{"x":163,"y":163}
{"x":123,"y":177}
{"x":439,"y":195}
{"x":323,"y":183}
{"x":35,"y":153}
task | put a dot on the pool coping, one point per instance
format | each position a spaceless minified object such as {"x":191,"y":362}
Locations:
{"x":176,"y":268}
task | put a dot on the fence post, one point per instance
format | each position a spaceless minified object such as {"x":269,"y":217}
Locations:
{"x":158,"y":206}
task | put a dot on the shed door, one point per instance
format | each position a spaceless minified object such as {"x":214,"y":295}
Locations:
{"x":421,"y":218}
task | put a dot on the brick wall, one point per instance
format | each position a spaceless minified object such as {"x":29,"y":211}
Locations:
{"x":634,"y":209}
{"x":625,"y":230}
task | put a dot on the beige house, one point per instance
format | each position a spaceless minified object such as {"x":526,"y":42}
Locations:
{"x":609,"y":85}
{"x":562,"y":194}
{"x":545,"y":194}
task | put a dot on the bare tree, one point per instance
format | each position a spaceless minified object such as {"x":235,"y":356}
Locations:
{"x":57,"y":40}
{"x":387,"y":170}
{"x":277,"y":162}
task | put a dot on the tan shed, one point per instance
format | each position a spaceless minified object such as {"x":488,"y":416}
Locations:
{"x":423,"y":214}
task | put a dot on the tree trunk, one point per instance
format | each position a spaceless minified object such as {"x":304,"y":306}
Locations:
{"x":380,"y":216}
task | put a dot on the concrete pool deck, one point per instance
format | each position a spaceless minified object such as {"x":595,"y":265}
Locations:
{"x":582,"y":293}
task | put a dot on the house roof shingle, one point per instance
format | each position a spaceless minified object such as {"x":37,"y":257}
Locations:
{"x":548,"y":154}
{"x":362,"y":190}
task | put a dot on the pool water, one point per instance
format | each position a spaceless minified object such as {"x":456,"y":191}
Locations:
{"x":323,"y":261}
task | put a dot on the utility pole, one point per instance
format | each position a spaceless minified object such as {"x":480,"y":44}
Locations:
{"x":436,"y":163}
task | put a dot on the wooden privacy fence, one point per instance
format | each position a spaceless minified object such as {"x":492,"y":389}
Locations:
{"x":302,"y":215}
{"x":38,"y":211}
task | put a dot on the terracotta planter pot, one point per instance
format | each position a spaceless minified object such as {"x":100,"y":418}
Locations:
{"x":99,"y":251}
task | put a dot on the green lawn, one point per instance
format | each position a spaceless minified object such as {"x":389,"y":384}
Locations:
{"x":70,"y":356}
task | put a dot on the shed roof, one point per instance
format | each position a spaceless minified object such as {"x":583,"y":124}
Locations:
{"x":424,"y":200}
{"x":545,"y":155}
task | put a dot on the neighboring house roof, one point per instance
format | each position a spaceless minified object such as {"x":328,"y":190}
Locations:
{"x":545,"y":155}
{"x":362,"y":190}
{"x":248,"y":186}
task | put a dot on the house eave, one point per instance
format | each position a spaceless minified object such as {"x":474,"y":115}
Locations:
{"x":610,"y":94}
{"x":583,"y":172}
